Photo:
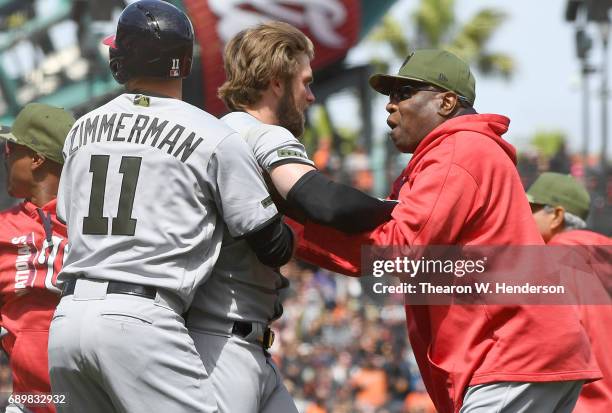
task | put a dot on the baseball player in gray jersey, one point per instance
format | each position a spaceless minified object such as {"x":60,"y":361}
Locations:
{"x":268,"y":71}
{"x":150,"y":186}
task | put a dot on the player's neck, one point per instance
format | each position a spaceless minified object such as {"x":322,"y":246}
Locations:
{"x":265,"y":109}
{"x":263,"y":114}
{"x":172,"y":88}
{"x":44,"y":193}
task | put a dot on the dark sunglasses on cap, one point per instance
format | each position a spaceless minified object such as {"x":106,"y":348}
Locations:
{"x":404,"y":92}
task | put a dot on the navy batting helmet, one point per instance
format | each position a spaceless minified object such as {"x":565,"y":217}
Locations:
{"x":153,"y":38}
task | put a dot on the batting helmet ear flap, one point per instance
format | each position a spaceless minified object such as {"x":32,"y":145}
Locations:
{"x":118,"y":71}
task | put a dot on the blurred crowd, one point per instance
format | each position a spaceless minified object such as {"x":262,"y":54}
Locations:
{"x":341,"y":352}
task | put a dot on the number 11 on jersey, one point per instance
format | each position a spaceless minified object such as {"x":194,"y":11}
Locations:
{"x":123,"y":224}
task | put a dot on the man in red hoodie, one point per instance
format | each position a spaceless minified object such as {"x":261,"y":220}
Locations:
{"x":32,"y":243}
{"x":461,"y":187}
{"x":560,"y":205}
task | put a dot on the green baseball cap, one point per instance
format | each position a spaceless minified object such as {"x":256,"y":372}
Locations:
{"x":437,"y":67}
{"x":556,"y":189}
{"x":42,"y":128}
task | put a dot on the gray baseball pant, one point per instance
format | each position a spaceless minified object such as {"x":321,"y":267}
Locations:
{"x":125,"y":354}
{"x":16,"y":408}
{"x":244,"y":377}
{"x":516,"y":397}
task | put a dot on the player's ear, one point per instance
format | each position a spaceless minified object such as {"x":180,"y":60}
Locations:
{"x":448,"y":104}
{"x":37,"y":161}
{"x":277,"y":86}
{"x":558,"y":219}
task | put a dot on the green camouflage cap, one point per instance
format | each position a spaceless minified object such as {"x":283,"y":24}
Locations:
{"x":42,"y":128}
{"x":437,"y":67}
{"x":560,"y":190}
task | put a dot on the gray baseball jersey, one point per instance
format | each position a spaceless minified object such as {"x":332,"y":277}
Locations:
{"x":272,"y":145}
{"x":241,"y":287}
{"x":148,"y":188}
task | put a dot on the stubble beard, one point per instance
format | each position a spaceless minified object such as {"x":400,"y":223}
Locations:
{"x":288,"y":114}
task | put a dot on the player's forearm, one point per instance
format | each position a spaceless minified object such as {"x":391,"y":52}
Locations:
{"x":340,"y":206}
{"x":273,"y":244}
{"x":328,"y":248}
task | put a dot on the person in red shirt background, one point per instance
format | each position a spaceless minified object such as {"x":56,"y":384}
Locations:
{"x":461,"y":187}
{"x":560,"y":206}
{"x":32,"y":243}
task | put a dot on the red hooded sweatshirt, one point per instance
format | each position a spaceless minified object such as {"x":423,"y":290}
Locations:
{"x":595,"y":397}
{"x":461,"y":187}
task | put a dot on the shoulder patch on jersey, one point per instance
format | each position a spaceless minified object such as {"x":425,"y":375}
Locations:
{"x":287,"y":153}
{"x":267,"y":202}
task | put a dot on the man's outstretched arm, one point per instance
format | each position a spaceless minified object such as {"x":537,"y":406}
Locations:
{"x":326,"y":202}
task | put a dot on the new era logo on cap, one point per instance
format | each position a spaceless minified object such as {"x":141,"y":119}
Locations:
{"x":442,"y":78}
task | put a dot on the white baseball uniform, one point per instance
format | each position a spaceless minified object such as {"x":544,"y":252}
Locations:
{"x":149,"y":186}
{"x":243,"y":289}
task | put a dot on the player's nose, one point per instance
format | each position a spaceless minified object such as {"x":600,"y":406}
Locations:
{"x":310,"y":97}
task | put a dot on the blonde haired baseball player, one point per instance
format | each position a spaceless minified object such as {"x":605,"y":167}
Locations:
{"x":268,"y":88}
